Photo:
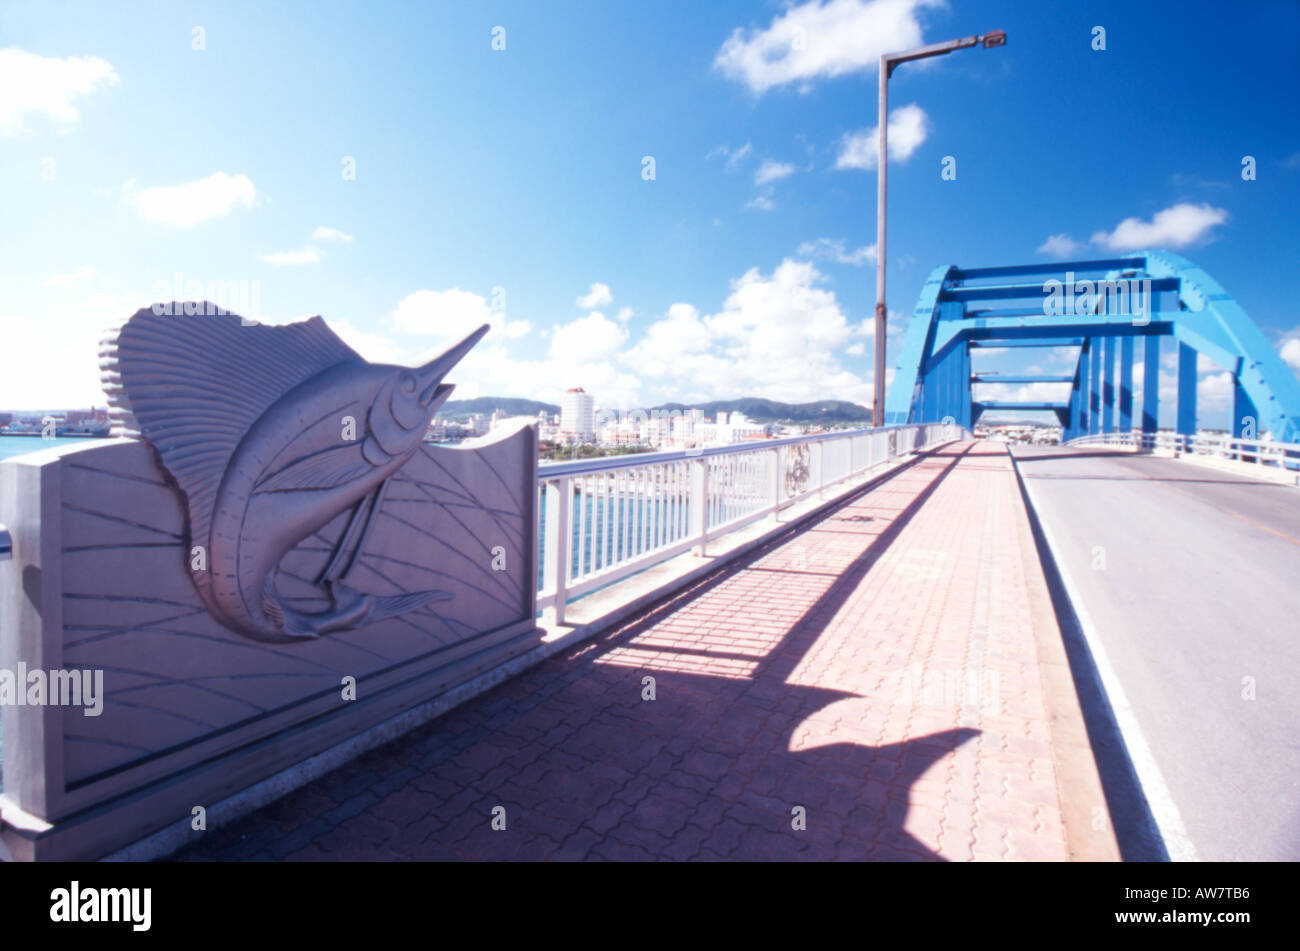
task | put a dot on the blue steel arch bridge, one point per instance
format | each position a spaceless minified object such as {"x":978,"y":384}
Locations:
{"x":1104,"y":308}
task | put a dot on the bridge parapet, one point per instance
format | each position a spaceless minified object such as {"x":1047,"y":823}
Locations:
{"x":1275,"y":461}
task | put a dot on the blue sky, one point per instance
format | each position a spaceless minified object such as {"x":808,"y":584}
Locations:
{"x":510,"y":185}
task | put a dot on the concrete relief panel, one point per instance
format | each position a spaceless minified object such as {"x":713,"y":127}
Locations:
{"x":272,"y":526}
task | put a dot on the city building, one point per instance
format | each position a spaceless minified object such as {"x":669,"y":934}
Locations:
{"x":578,"y":414}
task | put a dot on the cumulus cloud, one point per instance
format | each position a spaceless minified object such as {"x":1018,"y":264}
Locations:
{"x":1174,"y":227}
{"x":451,"y":315}
{"x":761,"y":203}
{"x":776,"y":336}
{"x":1060,"y":246}
{"x":1290,"y":351}
{"x":190,"y":204}
{"x":594,"y":337}
{"x":60,"y":353}
{"x":908,"y":128}
{"x":832,"y":249}
{"x":597,"y":296}
{"x":32,"y":85}
{"x":780,"y":335}
{"x":771,"y":171}
{"x":820,"y":39}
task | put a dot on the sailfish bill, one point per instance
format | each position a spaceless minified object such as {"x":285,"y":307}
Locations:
{"x":272,"y":432}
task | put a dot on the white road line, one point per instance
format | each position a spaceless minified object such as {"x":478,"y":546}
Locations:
{"x":1163,"y":810}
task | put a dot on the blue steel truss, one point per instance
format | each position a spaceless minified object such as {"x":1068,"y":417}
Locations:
{"x":1102,"y":307}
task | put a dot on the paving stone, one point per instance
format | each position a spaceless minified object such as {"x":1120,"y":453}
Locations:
{"x":826,"y":672}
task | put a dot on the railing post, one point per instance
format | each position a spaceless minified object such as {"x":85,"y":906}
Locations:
{"x":817,"y":458}
{"x":559,"y":535}
{"x":700,"y":504}
{"x":777,"y":474}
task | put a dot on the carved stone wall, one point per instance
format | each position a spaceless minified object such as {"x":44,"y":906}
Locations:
{"x":101,"y":581}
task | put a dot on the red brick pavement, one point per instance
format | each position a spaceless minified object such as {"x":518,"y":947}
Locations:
{"x":874,"y":675}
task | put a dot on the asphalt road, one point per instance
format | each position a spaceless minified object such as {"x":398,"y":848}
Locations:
{"x":1187,"y":579}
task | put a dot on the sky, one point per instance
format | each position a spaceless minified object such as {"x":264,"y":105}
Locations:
{"x":657,"y":202}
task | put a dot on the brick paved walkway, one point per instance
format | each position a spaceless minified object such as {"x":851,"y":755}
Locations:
{"x":877,"y":670}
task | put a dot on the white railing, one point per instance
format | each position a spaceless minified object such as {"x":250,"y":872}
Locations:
{"x":1282,"y":456}
{"x":605,"y":519}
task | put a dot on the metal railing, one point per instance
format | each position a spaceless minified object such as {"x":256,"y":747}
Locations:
{"x":604,"y":519}
{"x":1281,"y":456}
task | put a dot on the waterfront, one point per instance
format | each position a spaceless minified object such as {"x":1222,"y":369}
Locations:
{"x":11,"y":446}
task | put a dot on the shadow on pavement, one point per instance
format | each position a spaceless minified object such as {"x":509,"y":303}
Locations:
{"x":714,"y":767}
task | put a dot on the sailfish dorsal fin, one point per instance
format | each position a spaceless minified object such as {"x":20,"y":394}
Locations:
{"x":194,"y":385}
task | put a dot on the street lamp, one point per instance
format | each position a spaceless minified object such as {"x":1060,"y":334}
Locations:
{"x":887,"y":63}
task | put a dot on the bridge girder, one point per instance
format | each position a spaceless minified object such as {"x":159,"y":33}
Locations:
{"x":1090,"y":305}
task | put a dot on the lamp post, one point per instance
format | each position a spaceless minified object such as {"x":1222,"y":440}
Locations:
{"x":887,"y":63}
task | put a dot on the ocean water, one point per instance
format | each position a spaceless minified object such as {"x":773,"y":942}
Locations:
{"x":11,"y":446}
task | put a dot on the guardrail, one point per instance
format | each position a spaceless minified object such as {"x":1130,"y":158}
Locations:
{"x":605,"y":519}
{"x":1282,"y":456}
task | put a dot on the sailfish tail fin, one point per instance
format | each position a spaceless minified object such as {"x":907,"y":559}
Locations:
{"x":383,"y":607}
{"x":351,"y":608}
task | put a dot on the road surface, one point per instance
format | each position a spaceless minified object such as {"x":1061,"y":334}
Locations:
{"x":1186,"y":581}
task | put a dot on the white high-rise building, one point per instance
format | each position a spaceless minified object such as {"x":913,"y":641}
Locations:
{"x":578,"y":414}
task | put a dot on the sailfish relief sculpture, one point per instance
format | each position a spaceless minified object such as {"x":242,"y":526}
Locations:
{"x":271,"y":432}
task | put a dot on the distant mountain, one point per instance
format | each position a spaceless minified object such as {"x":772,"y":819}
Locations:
{"x":823,"y":411}
{"x":486,"y":405}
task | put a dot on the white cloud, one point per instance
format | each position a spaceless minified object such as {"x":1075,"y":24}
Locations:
{"x":733,"y":156}
{"x":373,"y":346}
{"x":1290,"y":352}
{"x":307,"y":255}
{"x":820,"y":39}
{"x":1060,"y":246}
{"x":60,"y":352}
{"x":776,"y":336}
{"x":771,"y":171}
{"x":32,"y":85}
{"x":594,"y":337}
{"x":597,"y":296}
{"x":908,"y":128}
{"x":1175,"y":227}
{"x":323,"y":233}
{"x":832,"y":249}
{"x":184,"y":206}
{"x":761,"y":203}
{"x":72,"y":277}
{"x":449,"y":316}
{"x":780,"y":335}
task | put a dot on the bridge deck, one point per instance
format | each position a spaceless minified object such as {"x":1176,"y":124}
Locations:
{"x":1184,"y":578}
{"x":878,"y":669}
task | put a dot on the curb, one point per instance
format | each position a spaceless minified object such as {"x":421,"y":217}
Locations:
{"x":1077,"y":777}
